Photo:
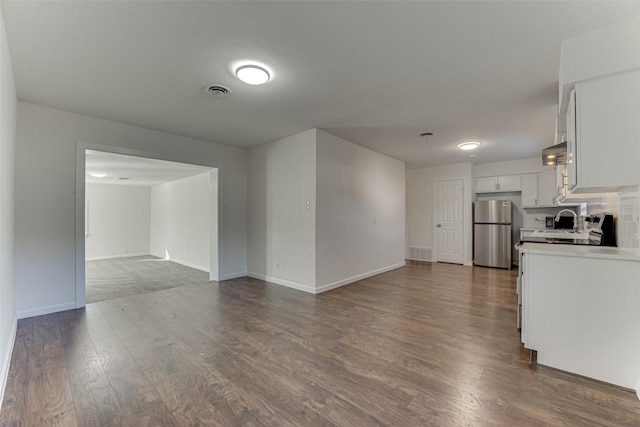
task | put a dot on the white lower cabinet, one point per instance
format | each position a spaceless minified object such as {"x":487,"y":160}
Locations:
{"x":582,"y":314}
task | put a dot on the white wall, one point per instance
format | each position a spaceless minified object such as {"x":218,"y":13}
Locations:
{"x":420,"y":184}
{"x":117,"y":220}
{"x":45,"y":224}
{"x":8,"y":98}
{"x":510,"y":167}
{"x":335,"y":240}
{"x":282,"y":179}
{"x":180,"y":219}
{"x":360,"y":212}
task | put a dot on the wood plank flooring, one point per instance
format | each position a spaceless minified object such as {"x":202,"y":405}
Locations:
{"x":427,"y":344}
{"x":122,"y":277}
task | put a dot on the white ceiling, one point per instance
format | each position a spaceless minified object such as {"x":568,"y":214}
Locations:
{"x":375,"y":73}
{"x":136,"y":171}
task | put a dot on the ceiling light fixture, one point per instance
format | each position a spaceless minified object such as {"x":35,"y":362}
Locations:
{"x":471,"y":145}
{"x":253,"y":75}
{"x":98,"y":174}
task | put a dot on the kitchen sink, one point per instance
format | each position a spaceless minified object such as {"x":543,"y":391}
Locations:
{"x":560,"y":234}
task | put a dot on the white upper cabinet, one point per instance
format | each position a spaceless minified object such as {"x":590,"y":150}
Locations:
{"x":539,"y":189}
{"x":494,"y":184}
{"x":530,"y":190}
{"x":608,"y":50}
{"x":603,"y":133}
{"x":547,"y":188}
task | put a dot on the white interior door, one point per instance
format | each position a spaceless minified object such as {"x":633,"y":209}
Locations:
{"x":448,"y":221}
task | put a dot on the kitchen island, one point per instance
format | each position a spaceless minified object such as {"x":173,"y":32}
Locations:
{"x":581,"y":310}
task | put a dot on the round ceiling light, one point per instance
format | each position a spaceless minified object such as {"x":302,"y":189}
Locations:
{"x":98,"y":174}
{"x":253,"y":75}
{"x":471,"y":145}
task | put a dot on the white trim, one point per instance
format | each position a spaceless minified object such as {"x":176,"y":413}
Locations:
{"x":468,"y":264}
{"x":69,"y":305}
{"x":235,"y":275}
{"x":638,"y":390}
{"x":7,"y":360}
{"x":100,"y":258}
{"x":190,"y":265}
{"x":282,"y":282}
{"x":328,"y":287}
{"x":216,"y":271}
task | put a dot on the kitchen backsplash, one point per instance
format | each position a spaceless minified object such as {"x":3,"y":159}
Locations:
{"x":626,"y":207}
{"x":628,"y":226}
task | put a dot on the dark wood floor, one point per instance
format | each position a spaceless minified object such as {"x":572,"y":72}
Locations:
{"x":428,"y":344}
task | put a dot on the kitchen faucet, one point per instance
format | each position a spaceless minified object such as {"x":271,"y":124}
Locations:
{"x":575,"y":217}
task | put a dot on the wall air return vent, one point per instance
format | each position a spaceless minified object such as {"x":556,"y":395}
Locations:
{"x":420,"y":254}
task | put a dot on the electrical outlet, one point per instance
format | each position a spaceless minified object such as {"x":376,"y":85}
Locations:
{"x":126,"y":250}
{"x":277,"y":266}
{"x":307,"y":205}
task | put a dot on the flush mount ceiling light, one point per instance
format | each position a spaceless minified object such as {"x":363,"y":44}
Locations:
{"x":253,"y":74}
{"x":98,"y":174}
{"x":471,"y":145}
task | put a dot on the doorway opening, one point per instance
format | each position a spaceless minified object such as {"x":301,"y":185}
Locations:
{"x":146,"y":223}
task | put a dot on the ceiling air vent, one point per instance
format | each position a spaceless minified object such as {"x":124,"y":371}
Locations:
{"x":218,"y":91}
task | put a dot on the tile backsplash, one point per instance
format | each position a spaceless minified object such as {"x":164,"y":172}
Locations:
{"x":626,"y":207}
{"x":628,"y":224}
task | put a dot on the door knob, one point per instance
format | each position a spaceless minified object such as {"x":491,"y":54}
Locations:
{"x":438,"y":225}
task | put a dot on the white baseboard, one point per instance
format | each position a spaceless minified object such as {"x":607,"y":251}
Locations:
{"x":7,"y":360}
{"x":468,"y":264}
{"x":23,"y":314}
{"x":282,"y":282}
{"x":190,"y":265}
{"x":638,"y":390}
{"x":235,"y":275}
{"x":99,"y":258}
{"x":328,"y":287}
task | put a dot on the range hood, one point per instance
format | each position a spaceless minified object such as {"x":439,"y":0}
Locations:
{"x":555,"y":155}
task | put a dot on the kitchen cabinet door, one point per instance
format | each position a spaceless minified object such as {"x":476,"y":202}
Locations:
{"x":495,"y":184}
{"x":580,"y":320}
{"x":539,"y":189}
{"x":509,"y":183}
{"x":547,"y":188}
{"x":488,"y":184}
{"x":530,"y":190}
{"x":604,"y":151}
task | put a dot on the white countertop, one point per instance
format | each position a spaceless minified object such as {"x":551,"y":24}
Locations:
{"x":585,"y":251}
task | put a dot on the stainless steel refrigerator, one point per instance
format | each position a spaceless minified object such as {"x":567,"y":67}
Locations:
{"x":492,"y":233}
